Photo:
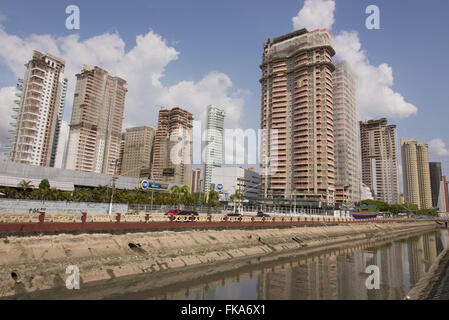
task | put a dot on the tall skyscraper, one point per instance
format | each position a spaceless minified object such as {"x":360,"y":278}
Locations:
{"x":40,"y":108}
{"x":96,"y":125}
{"x":62,"y":145}
{"x":415,"y":173}
{"x":348,"y":161}
{"x":138,"y":150}
{"x":121,"y":153}
{"x":214,"y":143}
{"x":196,"y":181}
{"x":379,"y":159}
{"x":172,"y":155}
{"x":443,"y":200}
{"x":298,"y":117}
{"x":436,"y":176}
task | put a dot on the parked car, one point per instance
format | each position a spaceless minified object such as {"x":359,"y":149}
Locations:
{"x":260,"y":214}
{"x":187,"y":213}
{"x":173,"y":212}
{"x":233,"y":215}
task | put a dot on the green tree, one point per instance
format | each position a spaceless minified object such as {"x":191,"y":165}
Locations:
{"x":237,"y":197}
{"x":45,"y":184}
{"x":25,"y":185}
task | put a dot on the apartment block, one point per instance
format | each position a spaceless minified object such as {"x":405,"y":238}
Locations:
{"x":196,"y":181}
{"x":348,"y":160}
{"x":415,"y":173}
{"x":379,"y":159}
{"x":121,"y":153}
{"x":436,"y":176}
{"x":138,"y":150}
{"x":297,"y":117}
{"x":40,"y":106}
{"x":172,"y":155}
{"x":214,"y":143}
{"x":96,"y":124}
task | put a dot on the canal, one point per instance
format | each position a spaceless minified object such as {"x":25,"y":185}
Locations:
{"x":340,"y":276}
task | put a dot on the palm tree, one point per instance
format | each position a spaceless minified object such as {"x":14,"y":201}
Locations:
{"x":210,"y":199}
{"x":237,"y":197}
{"x":176,"y":193}
{"x":185,"y":190}
{"x":25,"y":185}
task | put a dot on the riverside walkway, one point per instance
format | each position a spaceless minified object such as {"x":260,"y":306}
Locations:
{"x":42,"y":222}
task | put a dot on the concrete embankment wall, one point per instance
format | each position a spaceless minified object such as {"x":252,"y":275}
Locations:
{"x":29,"y":264}
{"x":58,"y":207}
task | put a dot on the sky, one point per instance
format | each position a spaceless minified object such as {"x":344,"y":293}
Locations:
{"x":196,"y":53}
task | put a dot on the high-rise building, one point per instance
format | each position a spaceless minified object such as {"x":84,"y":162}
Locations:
{"x":138,"y":150}
{"x":121,"y":153}
{"x":435,"y":180}
{"x":62,"y":145}
{"x":443,"y":200}
{"x":40,"y":108}
{"x":196,"y":181}
{"x":214,"y":143}
{"x":348,"y":161}
{"x":96,"y":124}
{"x":415,"y":173}
{"x":297,"y":117}
{"x":172,"y":155}
{"x":379,"y":159}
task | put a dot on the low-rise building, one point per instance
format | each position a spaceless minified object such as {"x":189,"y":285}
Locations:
{"x":229,"y":179}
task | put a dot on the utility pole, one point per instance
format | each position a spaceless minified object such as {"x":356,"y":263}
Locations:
{"x":113,"y":186}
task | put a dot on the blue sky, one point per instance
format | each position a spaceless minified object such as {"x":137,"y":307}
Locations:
{"x":221,"y":41}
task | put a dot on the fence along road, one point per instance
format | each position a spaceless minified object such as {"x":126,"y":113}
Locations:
{"x":42,"y":221}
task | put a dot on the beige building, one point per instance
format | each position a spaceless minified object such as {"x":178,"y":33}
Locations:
{"x":96,"y":124}
{"x":298,"y":117}
{"x":379,"y":160}
{"x":41,"y":96}
{"x":416,"y":173}
{"x":172,"y":155}
{"x":196,"y":180}
{"x":137,"y":150}
{"x":348,"y":161}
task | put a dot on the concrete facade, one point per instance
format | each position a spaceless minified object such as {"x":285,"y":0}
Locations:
{"x":138,"y":149}
{"x":415,"y":172}
{"x":196,"y":181}
{"x":297,"y":117}
{"x":379,"y":160}
{"x":348,"y":161}
{"x":96,"y":124}
{"x":172,"y":155}
{"x":59,"y":207}
{"x":234,"y":178}
{"x":40,"y":108}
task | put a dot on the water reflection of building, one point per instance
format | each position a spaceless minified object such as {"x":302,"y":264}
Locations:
{"x":339,"y":276}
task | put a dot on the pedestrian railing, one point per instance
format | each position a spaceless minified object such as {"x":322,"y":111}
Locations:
{"x":84,"y":218}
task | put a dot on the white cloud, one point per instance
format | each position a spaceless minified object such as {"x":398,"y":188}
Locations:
{"x":143,"y":67}
{"x":374,"y":94}
{"x":315,"y":14}
{"x":375,"y":97}
{"x":437,"y":147}
{"x":7,"y":98}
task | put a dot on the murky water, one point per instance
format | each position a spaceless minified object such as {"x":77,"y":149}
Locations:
{"x":335,"y":276}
